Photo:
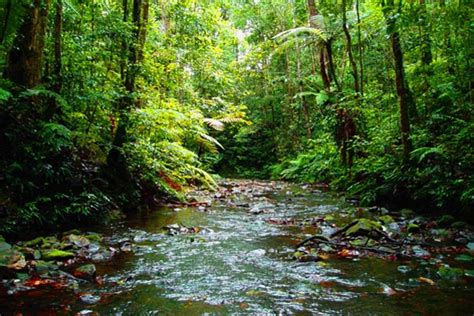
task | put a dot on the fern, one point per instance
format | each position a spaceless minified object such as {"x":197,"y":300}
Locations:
{"x":4,"y":95}
{"x":421,"y":153}
{"x":299,"y":31}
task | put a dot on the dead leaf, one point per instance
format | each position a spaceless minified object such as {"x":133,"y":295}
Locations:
{"x":426,"y":280}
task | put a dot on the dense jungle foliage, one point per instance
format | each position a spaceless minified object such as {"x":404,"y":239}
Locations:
{"x":109,"y":105}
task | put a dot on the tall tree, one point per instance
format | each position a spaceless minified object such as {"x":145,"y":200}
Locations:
{"x":25,"y":59}
{"x":405,"y":99}
{"x":349,"y":48}
{"x":130,"y":72}
{"x":57,"y":67}
{"x":313,"y":13}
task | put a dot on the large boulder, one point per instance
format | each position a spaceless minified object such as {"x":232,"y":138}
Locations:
{"x":10,"y":262}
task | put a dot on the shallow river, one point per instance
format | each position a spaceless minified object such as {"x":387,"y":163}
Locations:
{"x":241,"y":263}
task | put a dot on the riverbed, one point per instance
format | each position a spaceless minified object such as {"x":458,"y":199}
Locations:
{"x":235,"y":254}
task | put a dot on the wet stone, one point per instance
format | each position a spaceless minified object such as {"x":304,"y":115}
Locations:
{"x":87,"y":272}
{"x":89,"y":299}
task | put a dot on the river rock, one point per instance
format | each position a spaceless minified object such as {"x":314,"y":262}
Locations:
{"x":11,"y":261}
{"x":86,"y":272}
{"x":4,"y":246}
{"x":50,"y":242}
{"x":87,"y":312}
{"x":404,"y":269}
{"x":470,"y":246}
{"x":89,"y":298}
{"x":446,"y":220}
{"x":55,"y":254}
{"x":260,"y":208}
{"x":93,"y":237}
{"x":43,"y":267}
{"x":34,"y":242}
{"x":28,"y":252}
{"x":79,"y":241}
{"x":257,"y":253}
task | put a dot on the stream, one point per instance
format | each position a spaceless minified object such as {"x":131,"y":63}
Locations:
{"x":238,"y":259}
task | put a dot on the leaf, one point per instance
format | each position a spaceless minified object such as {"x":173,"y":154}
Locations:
{"x":4,"y":95}
{"x":72,"y":7}
{"x":426,"y":280}
{"x":321,"y":98}
{"x":446,"y":272}
{"x":301,"y":30}
{"x":211,"y":139}
{"x":423,"y":152}
{"x":218,"y":125}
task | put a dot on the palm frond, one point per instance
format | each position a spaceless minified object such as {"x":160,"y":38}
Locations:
{"x":301,"y":30}
{"x":216,"y":124}
{"x":211,"y":139}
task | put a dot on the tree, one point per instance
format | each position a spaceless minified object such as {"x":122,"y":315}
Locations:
{"x":134,"y":51}
{"x":403,"y":91}
{"x":25,"y":59}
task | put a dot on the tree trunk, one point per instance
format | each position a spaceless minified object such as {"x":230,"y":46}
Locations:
{"x":25,"y":59}
{"x":299,"y":78}
{"x":57,"y":68}
{"x":361,"y":53}
{"x":349,"y":49}
{"x":332,"y":69}
{"x":403,"y":91}
{"x":123,"y":60}
{"x":313,"y":12}
{"x":426,"y":55}
{"x":126,"y":103}
{"x":6,"y":19}
{"x":324,"y":74}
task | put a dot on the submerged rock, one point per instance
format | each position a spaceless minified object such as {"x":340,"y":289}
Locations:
{"x":87,"y":272}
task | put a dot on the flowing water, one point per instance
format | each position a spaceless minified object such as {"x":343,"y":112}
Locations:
{"x":239,"y":263}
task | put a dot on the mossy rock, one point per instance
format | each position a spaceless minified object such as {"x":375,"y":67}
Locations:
{"x":459,"y":225}
{"x":406,"y":212}
{"x":77,"y":240}
{"x":43,"y":267}
{"x":413,"y":228}
{"x":446,"y":220}
{"x":447,"y":272}
{"x":34,"y":242}
{"x":72,"y":232}
{"x":86,"y":272}
{"x":93,"y":237}
{"x":50,"y":242}
{"x":12,"y":259}
{"x":363,"y":226}
{"x":56,"y":254}
{"x":4,"y":246}
{"x":386,"y":219}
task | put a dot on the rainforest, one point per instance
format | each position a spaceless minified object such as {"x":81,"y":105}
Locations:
{"x":236,"y":157}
